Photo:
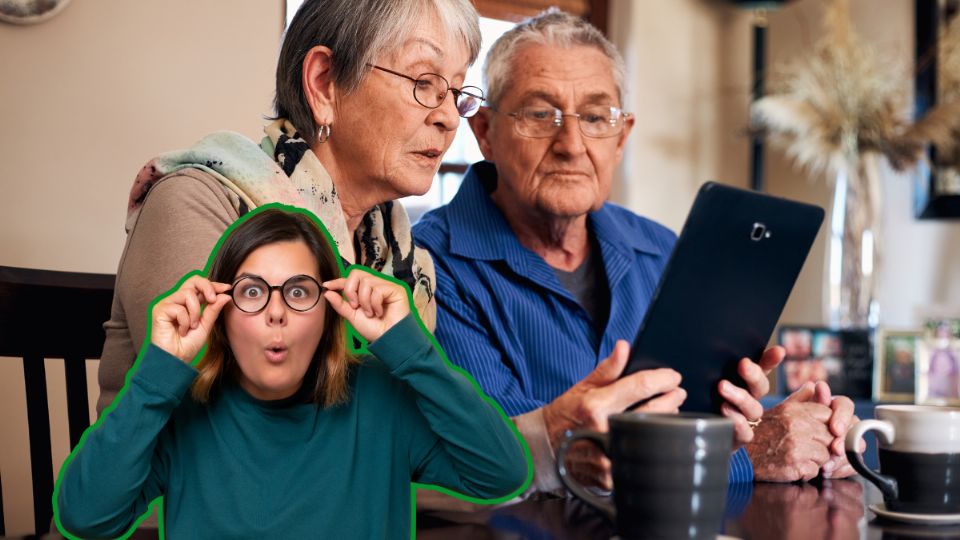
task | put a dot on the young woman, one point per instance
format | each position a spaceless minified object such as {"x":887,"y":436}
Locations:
{"x":278,"y":432}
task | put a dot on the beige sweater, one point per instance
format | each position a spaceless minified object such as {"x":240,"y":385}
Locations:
{"x":172,"y":234}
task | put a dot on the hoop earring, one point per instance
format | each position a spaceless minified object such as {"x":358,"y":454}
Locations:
{"x":323,"y":133}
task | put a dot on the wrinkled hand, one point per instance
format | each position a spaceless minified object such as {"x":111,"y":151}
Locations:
{"x":793,"y":440}
{"x":801,"y":511}
{"x":373,"y":304}
{"x":841,"y":419}
{"x":589,"y":402}
{"x":180,"y":324}
{"x":742,"y":404}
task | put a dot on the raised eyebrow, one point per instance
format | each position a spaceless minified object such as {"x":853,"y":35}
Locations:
{"x":430,"y":63}
{"x":539,"y":94}
{"x":602,"y":98}
{"x":302,"y":277}
{"x":437,"y":50}
{"x":424,"y":65}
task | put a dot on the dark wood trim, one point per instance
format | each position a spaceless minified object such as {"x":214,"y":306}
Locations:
{"x":48,"y":314}
{"x":28,"y":296}
{"x":595,"y":11}
{"x":599,"y":15}
{"x":41,"y":457}
{"x":929,"y":202}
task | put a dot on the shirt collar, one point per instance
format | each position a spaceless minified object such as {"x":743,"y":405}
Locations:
{"x":479,"y":230}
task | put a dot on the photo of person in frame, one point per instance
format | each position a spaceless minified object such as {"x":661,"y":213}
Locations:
{"x":901,"y":351}
{"x":943,"y":366}
{"x":895,"y":365}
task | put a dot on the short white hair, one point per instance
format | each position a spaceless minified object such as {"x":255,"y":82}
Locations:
{"x":551,"y":27}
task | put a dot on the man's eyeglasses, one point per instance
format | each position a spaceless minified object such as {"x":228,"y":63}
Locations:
{"x":595,"y":121}
{"x":430,"y":89}
{"x":252,"y":293}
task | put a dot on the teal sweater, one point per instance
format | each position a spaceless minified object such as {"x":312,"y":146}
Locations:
{"x":243,"y":468}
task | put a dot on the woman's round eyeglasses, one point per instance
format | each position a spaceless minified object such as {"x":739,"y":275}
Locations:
{"x":430,"y":89}
{"x":252,"y":293}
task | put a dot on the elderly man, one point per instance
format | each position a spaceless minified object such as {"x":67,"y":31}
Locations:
{"x":539,"y":279}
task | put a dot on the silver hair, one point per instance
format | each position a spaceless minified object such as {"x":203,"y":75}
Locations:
{"x":357,"y":31}
{"x":551,"y":27}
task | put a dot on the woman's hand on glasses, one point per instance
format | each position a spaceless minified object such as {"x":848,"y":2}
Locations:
{"x":370,"y":303}
{"x":183,"y":319}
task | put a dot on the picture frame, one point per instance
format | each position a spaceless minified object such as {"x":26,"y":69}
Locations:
{"x":895,"y":365}
{"x":842,"y":358}
{"x":938,"y":363}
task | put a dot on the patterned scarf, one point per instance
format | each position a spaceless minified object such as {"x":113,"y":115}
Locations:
{"x":283,"y":169}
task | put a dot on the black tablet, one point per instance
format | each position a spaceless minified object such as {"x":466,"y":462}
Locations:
{"x":723,"y":288}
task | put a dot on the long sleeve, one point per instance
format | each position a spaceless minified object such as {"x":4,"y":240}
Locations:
{"x":741,"y":468}
{"x":470,"y":447}
{"x":473,"y":347}
{"x":118,"y":469}
{"x":181,"y":220}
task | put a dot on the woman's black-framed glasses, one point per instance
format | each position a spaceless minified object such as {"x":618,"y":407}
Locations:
{"x":430,"y":89}
{"x":252,"y":293}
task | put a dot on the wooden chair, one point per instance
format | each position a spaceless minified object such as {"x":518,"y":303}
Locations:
{"x":48,"y":314}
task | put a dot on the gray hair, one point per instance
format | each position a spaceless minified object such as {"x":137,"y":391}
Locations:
{"x":357,"y":31}
{"x":551,"y":27}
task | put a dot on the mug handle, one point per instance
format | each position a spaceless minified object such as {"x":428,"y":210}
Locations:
{"x":601,"y":440}
{"x":887,"y":484}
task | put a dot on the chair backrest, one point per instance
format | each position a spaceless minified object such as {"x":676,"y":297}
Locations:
{"x":49,"y":314}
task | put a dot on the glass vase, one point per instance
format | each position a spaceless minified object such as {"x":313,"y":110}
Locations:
{"x":853,"y":253}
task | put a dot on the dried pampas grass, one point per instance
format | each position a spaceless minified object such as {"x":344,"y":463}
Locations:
{"x":829,"y":107}
{"x":844,"y":100}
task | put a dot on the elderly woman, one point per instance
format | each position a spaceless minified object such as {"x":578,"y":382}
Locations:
{"x":279,"y":432}
{"x":369,"y":95}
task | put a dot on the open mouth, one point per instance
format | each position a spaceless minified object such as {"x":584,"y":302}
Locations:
{"x":276,"y":353}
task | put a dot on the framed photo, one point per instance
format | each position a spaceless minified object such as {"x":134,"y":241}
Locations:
{"x":938,"y":363}
{"x":842,"y":358}
{"x":894,"y":372}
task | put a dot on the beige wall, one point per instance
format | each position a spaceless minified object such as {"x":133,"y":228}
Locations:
{"x":86,"y":99}
{"x":687,"y":84}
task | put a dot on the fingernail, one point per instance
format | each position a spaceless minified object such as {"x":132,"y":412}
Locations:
{"x":724,"y":386}
{"x":829,"y":466}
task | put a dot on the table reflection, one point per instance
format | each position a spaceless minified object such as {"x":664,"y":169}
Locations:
{"x":832,"y":509}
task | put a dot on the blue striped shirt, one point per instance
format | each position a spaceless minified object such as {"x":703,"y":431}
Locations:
{"x":503,"y":315}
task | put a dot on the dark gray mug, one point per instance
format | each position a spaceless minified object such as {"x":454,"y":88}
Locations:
{"x":919,"y":451}
{"x":670,"y":473}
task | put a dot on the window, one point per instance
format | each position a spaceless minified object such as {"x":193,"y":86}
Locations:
{"x":464,"y":149}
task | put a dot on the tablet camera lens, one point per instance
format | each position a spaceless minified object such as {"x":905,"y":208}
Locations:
{"x":759,"y":232}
